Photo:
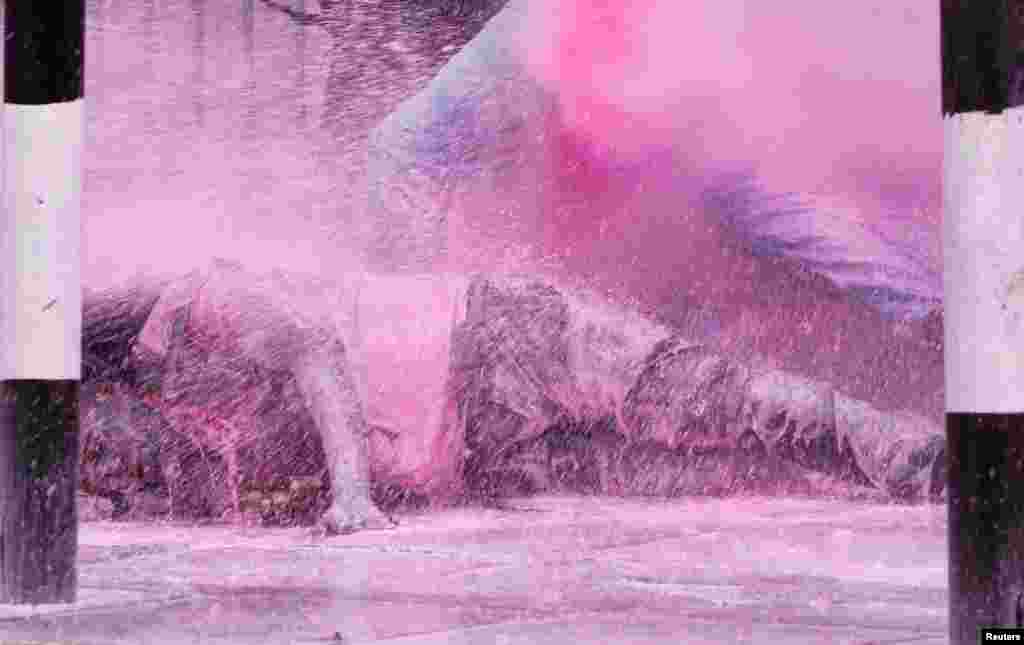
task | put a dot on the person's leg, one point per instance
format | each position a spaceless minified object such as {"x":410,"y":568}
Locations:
{"x":333,"y":402}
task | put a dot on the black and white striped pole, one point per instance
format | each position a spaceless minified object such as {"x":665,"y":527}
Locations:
{"x":40,"y":300}
{"x":984,"y":313}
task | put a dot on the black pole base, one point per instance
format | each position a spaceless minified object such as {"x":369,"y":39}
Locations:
{"x":38,"y":487}
{"x":986,"y":523}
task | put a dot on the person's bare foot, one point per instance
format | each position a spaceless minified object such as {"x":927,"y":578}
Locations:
{"x":338,"y":520}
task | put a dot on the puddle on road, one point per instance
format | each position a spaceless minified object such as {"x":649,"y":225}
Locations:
{"x":719,"y":595}
{"x":93,"y":554}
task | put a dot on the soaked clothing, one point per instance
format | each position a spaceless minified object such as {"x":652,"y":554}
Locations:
{"x":219,"y":338}
{"x":456,"y":375}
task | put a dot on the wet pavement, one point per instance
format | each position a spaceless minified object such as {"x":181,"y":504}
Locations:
{"x":553,"y":570}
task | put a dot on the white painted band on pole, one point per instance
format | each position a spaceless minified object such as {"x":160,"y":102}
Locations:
{"x":40,"y":240}
{"x":984,"y":246}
